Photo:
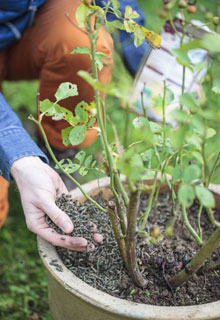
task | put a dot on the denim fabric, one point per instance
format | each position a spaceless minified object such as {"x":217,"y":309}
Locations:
{"x":132,"y":56}
{"x":15,"y":142}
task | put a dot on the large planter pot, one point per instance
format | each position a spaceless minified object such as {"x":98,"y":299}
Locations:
{"x":72,"y":299}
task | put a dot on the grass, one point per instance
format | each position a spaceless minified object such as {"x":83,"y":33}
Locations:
{"x":23,"y":281}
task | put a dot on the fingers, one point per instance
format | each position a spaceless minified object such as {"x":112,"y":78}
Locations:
{"x":65,"y":241}
{"x":60,"y":218}
{"x":97,"y":237}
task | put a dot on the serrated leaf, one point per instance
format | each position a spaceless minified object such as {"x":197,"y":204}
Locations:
{"x":80,"y":156}
{"x":66,"y":90}
{"x":81,"y":50}
{"x":205,"y":197}
{"x":77,"y":135}
{"x":81,"y":15}
{"x":186,"y":195}
{"x":81,"y":111}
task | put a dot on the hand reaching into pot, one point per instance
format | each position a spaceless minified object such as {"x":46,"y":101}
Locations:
{"x":38,"y":184}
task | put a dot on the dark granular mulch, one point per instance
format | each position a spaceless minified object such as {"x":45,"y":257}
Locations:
{"x":103,"y":269}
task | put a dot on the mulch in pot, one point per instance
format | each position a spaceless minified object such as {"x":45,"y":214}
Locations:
{"x":103,"y":269}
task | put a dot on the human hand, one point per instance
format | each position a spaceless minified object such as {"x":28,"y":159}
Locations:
{"x":38,"y":185}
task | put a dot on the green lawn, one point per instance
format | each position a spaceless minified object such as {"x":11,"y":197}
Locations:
{"x":23,"y":282}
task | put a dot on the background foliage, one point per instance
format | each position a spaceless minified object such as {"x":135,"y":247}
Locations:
{"x":23,"y":282}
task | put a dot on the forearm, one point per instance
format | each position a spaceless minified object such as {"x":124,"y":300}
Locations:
{"x":15,"y":142}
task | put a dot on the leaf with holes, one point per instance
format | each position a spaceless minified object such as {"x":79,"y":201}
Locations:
{"x":65,"y":136}
{"x":66,"y":90}
{"x":77,"y":135}
{"x":80,"y":156}
{"x":81,"y":111}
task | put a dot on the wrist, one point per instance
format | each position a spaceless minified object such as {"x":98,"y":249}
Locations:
{"x":21,"y":165}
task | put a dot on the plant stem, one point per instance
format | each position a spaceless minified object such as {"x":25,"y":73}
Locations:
{"x":196,"y":263}
{"x":61,"y":168}
{"x":145,"y":215}
{"x":112,"y":168}
{"x":116,"y":228}
{"x":198,"y":220}
{"x":189,"y":227}
{"x":131,"y":240}
{"x":211,"y":218}
{"x":126,"y":132}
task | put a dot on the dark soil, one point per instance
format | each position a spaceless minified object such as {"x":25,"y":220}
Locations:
{"x":103,"y":269}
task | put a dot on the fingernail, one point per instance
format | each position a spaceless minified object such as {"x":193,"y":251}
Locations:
{"x":67,"y":227}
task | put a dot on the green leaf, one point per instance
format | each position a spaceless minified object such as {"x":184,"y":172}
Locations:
{"x":109,"y":89}
{"x":80,"y":156}
{"x":140,"y":122}
{"x":81,"y":50}
{"x":129,"y":26}
{"x":191,"y":173}
{"x":139,"y":36}
{"x":65,"y":136}
{"x":205,"y":197}
{"x":46,"y":105}
{"x":115,"y":4}
{"x":81,"y":111}
{"x":179,"y":115}
{"x":130,"y":13}
{"x":83,"y":171}
{"x":88,"y":160}
{"x":189,"y":100}
{"x":112,"y":25}
{"x":182,"y":58}
{"x":216,"y":90}
{"x":115,"y":8}
{"x":178,"y":137}
{"x":91,"y":122}
{"x":81,"y":14}
{"x":66,"y":90}
{"x":186,"y":195}
{"x":98,"y":61}
{"x":72,"y":168}
{"x":77,"y":135}
{"x":177,"y":173}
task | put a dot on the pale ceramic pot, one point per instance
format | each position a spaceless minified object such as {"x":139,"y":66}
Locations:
{"x":72,"y":299}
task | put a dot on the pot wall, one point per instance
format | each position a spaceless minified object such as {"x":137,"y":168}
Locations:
{"x":72,"y":299}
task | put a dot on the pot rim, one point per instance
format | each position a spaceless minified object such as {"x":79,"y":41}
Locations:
{"x":112,"y":304}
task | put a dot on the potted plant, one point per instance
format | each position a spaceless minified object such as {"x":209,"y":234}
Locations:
{"x":184,"y":158}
